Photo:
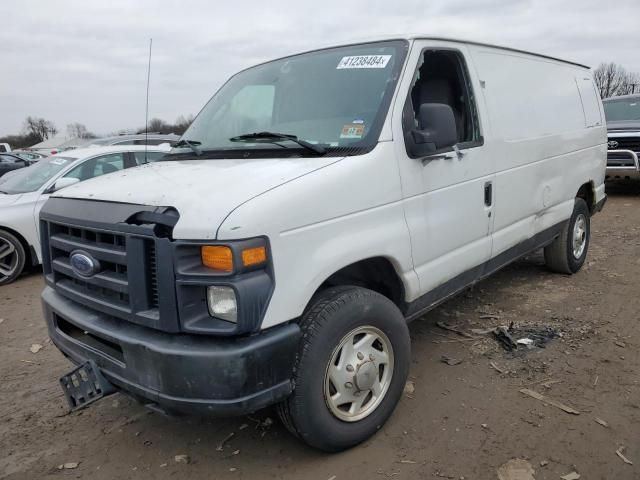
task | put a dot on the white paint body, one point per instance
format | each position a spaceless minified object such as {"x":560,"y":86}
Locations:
{"x":543,"y":138}
{"x":19,"y":212}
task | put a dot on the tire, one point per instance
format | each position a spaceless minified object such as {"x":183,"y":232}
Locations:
{"x":563,"y":255}
{"x":342,"y":316}
{"x":12,"y":257}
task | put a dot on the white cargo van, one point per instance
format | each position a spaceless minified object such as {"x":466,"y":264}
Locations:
{"x":317,"y":204}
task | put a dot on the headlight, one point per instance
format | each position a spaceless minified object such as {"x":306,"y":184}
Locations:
{"x":222,"y":303}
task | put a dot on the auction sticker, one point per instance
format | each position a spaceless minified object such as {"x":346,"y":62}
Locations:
{"x":364,"y":61}
{"x":352,"y":130}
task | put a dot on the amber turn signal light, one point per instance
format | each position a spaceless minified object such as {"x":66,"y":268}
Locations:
{"x":254,"y":256}
{"x":217,"y":257}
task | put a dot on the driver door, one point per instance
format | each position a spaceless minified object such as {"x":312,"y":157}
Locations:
{"x":448,"y":196}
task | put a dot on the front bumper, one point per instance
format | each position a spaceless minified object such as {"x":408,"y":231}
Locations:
{"x":623,"y":169}
{"x":195,"y":374}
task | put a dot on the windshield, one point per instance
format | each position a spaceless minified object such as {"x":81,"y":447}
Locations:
{"x":31,"y":178}
{"x":337,"y":98}
{"x":627,"y":109}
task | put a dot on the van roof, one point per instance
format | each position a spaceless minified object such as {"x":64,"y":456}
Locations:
{"x":418,"y":36}
{"x":481,"y":44}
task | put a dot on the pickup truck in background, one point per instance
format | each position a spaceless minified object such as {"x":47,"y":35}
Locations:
{"x":623,"y":126}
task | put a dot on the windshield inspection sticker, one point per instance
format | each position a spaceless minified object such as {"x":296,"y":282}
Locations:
{"x":364,"y":61}
{"x":352,"y":130}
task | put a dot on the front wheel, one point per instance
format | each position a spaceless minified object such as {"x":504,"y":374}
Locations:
{"x":12,"y":257}
{"x":568,"y":252}
{"x":351,"y":369}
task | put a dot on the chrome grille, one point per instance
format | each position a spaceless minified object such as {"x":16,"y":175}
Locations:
{"x":627,"y":143}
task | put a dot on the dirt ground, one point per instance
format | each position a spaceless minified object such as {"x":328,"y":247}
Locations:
{"x":461,"y":421}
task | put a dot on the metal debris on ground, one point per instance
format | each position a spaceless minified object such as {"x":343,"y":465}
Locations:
{"x":504,"y":337}
{"x":482,"y":331}
{"x":516,"y":469}
{"x":620,"y":453}
{"x":549,"y":401}
{"x":601,"y":422}
{"x":512,"y":337}
{"x":571,"y":476}
{"x":450,"y":361}
{"x":497,"y":368}
{"x":527,"y":342}
{"x":220,"y":446}
{"x":182,"y":459}
{"x":454,"y":329}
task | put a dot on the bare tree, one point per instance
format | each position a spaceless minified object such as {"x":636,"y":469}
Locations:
{"x":631,"y":84}
{"x":156,"y":125}
{"x":78,"y":130}
{"x":612,"y":80}
{"x":39,"y":128}
{"x":182,"y":123}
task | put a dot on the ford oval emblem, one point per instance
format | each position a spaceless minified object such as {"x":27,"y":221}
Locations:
{"x":84,"y":264}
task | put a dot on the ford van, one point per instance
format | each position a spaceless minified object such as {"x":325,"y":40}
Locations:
{"x":317,"y":204}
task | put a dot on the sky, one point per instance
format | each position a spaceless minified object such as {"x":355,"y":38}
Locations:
{"x":86,"y":61}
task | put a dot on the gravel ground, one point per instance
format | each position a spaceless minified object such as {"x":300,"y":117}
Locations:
{"x":455,"y":421}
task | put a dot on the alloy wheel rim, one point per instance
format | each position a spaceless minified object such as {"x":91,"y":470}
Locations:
{"x":8,"y":259}
{"x":579,"y":236}
{"x":359,"y":374}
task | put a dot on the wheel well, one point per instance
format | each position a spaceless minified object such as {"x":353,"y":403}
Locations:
{"x":377,"y":274}
{"x":29,"y":260}
{"x":587,"y":193}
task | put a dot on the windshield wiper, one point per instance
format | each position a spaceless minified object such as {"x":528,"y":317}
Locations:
{"x":191,"y":144}
{"x":271,"y":137}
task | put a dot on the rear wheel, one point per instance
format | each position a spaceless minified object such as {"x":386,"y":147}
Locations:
{"x":12,"y":257}
{"x":351,"y":369}
{"x":568,"y":252}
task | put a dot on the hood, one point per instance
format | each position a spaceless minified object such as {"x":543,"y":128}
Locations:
{"x":621,"y":126}
{"x":203,"y":191}
{"x":6,"y":200}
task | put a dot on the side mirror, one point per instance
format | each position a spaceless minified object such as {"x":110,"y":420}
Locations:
{"x":436,"y":129}
{"x":63,"y":182}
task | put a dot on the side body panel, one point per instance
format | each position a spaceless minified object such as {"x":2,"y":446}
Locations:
{"x":346,"y":212}
{"x":548,"y":139}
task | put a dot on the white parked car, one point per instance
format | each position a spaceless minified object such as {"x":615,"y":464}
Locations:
{"x":24,"y":191}
{"x":317,"y":204}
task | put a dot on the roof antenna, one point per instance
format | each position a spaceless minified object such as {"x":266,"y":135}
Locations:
{"x":146,"y":113}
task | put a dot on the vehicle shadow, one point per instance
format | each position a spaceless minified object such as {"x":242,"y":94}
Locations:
{"x":623,"y":188}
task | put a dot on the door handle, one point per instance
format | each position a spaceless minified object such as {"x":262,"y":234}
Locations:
{"x":488,"y":194}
